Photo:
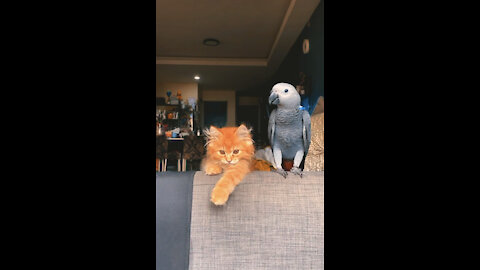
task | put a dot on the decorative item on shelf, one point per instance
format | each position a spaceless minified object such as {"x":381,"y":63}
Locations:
{"x":175,"y":116}
{"x":174,"y":100}
{"x":192,"y":102}
{"x":179,"y":96}
{"x":175,"y":132}
{"x":169,"y":93}
{"x":161,"y":130}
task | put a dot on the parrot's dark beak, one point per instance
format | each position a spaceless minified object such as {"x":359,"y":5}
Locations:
{"x":273,"y":99}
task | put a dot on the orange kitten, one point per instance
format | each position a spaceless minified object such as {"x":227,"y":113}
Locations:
{"x":229,"y":150}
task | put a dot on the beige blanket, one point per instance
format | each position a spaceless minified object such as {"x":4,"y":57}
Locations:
{"x":315,"y":157}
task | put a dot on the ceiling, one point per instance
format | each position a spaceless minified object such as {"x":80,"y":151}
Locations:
{"x":254,"y":35}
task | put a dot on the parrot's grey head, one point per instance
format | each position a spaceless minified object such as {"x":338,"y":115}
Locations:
{"x":284,"y":95}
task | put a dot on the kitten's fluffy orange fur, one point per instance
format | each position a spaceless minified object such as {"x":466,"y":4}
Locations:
{"x":229,"y":150}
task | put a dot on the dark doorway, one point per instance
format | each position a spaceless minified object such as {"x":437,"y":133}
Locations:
{"x":248,"y":115}
{"x":215,"y":113}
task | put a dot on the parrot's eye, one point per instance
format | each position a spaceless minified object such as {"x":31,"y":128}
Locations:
{"x":286,"y":90}
{"x":235,"y":151}
{"x":222,"y":152}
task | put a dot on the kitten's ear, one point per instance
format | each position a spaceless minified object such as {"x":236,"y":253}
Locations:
{"x":212,"y":134}
{"x":244,"y":133}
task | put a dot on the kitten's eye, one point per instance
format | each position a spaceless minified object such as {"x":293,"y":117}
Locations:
{"x":222,"y":152}
{"x":286,"y":90}
{"x":235,"y":151}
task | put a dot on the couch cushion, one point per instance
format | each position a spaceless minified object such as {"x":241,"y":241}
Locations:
{"x":268,"y":223}
{"x":173,"y":203}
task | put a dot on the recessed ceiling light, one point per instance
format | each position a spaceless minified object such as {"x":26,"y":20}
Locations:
{"x":197,"y":77}
{"x":211,"y":42}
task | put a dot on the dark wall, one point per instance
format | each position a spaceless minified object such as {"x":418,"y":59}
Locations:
{"x":312,"y":64}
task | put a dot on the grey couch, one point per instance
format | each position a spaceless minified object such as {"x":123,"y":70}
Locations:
{"x":268,"y":222}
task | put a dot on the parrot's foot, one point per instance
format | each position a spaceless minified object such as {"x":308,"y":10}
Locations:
{"x":281,"y":172}
{"x":297,"y":171}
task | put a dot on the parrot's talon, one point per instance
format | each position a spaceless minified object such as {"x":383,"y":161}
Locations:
{"x":282,"y":172}
{"x":297,"y":171}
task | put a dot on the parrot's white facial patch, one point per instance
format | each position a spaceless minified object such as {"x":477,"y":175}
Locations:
{"x":284,"y":94}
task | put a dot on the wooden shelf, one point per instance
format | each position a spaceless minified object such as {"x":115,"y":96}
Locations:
{"x":169,"y":106}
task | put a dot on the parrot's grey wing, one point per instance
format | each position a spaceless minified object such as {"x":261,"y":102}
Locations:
{"x":307,"y":134}
{"x":271,"y":126}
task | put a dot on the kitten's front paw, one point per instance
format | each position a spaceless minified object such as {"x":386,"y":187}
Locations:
{"x":213,"y":170}
{"x":297,"y":171}
{"x":281,"y":172}
{"x":219,"y":196}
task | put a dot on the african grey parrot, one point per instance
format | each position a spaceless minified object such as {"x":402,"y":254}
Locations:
{"x":288,"y":127}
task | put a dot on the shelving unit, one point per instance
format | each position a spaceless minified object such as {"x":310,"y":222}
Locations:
{"x":175,"y":116}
